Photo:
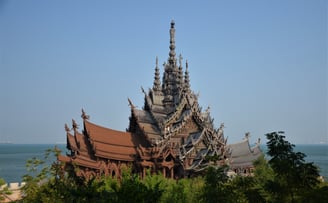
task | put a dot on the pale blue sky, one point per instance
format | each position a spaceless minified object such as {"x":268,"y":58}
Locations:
{"x":260,"y":65}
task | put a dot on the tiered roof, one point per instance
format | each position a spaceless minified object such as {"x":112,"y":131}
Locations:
{"x":243,"y":155}
{"x":99,"y":142}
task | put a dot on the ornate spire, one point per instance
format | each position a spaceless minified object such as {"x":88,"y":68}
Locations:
{"x":157,"y":80}
{"x":187,"y":80}
{"x":171,"y":81}
{"x":172,"y":58}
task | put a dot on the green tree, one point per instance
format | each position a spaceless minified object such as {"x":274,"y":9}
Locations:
{"x":47,"y":182}
{"x":245,"y":189}
{"x":3,"y":189}
{"x":215,"y":188}
{"x":263,"y":173}
{"x":319,"y":194}
{"x":292,"y":175}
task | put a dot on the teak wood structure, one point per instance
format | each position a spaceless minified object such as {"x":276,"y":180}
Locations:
{"x":170,"y":134}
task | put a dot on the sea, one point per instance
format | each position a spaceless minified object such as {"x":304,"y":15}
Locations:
{"x":13,"y":158}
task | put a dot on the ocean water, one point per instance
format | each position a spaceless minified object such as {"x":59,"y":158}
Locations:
{"x":318,"y":154}
{"x":13,"y":157}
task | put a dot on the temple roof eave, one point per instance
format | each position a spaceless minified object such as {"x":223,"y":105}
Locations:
{"x":109,"y":136}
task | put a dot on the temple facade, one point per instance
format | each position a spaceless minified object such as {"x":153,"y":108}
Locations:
{"x":170,"y":134}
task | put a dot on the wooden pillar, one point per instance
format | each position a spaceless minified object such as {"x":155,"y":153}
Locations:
{"x":164,"y":172}
{"x":144,"y":172}
{"x":172,"y":172}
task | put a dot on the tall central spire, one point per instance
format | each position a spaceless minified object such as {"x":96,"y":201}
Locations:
{"x":172,"y":58}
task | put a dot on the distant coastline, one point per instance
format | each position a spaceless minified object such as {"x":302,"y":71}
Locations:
{"x":6,"y":142}
{"x":64,"y":143}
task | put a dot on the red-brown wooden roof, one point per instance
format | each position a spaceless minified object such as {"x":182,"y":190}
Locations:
{"x":71,"y":142}
{"x":111,"y":144}
{"x":109,"y":136}
{"x":81,"y":161}
{"x":82,"y":144}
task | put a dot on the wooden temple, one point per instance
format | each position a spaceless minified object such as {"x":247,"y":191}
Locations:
{"x":169,"y":135}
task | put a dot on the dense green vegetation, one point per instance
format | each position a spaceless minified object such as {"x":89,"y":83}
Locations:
{"x":3,"y":189}
{"x":285,"y":177}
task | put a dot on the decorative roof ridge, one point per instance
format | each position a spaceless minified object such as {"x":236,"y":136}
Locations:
{"x":241,"y":142}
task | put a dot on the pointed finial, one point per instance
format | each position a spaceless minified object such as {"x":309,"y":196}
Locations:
{"x":74,"y":125}
{"x":130,"y":103}
{"x":84,"y":116}
{"x":67,"y":128}
{"x":156,"y":61}
{"x":247,"y":135}
{"x":180,"y":60}
{"x":172,"y":23}
{"x":259,"y":141}
{"x":142,"y":89}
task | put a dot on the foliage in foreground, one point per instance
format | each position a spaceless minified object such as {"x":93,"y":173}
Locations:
{"x":3,"y":190}
{"x":285,"y":177}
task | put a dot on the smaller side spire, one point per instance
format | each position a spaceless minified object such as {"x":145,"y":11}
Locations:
{"x":157,"y":80}
{"x":187,"y":80}
{"x":180,"y":73}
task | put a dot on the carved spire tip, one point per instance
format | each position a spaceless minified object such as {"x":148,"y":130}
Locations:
{"x":67,"y":128}
{"x":142,"y":89}
{"x":74,"y":125}
{"x":130,"y":103}
{"x":172,"y":23}
{"x":180,"y":59}
{"x":84,"y":116}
